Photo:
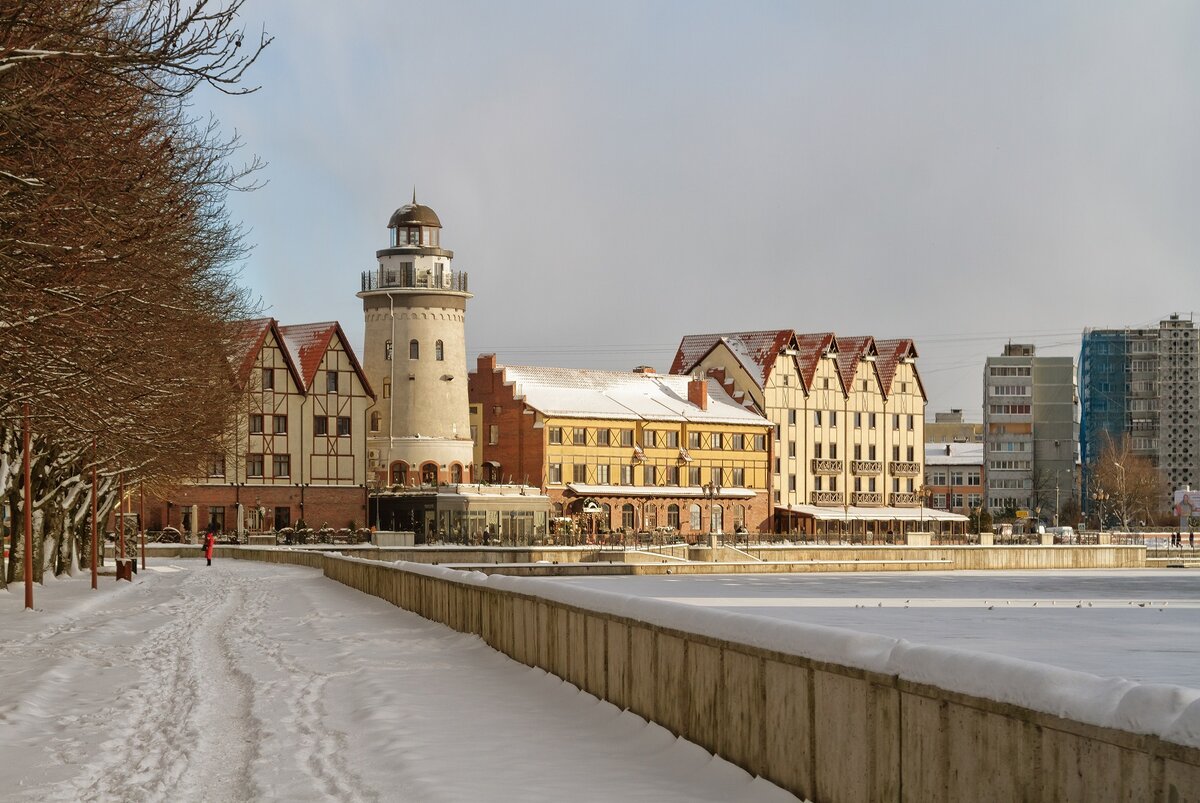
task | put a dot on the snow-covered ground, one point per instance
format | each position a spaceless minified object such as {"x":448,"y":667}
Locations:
{"x":1139,"y":625}
{"x":255,"y":681}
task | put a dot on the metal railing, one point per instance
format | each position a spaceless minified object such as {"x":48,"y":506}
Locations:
{"x":402,"y":279}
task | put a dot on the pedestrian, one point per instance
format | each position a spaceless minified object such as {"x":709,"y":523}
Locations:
{"x":210,"y":538}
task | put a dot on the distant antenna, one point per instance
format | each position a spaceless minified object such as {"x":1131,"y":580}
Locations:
{"x":414,"y":195}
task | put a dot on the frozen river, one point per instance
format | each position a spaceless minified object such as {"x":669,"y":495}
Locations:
{"x":1143,"y":625}
{"x":250,"y":681}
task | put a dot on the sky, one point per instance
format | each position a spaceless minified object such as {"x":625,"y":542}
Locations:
{"x":615,"y":176}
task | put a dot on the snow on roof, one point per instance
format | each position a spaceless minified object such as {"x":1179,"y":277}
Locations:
{"x":812,"y":347}
{"x":954,"y":454}
{"x":308,"y":343}
{"x":247,"y":338}
{"x":756,"y":351}
{"x":584,"y":393}
{"x":850,"y":351}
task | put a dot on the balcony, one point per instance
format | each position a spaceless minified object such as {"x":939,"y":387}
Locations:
{"x":827,"y":497}
{"x":860,"y":467}
{"x":905,"y":468}
{"x":905,"y":500}
{"x":400,"y":279}
{"x":867,"y":498}
{"x":820,"y":466}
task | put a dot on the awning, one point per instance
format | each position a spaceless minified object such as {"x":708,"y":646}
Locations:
{"x":492,"y":463}
{"x":658,"y":490}
{"x":853,"y":513}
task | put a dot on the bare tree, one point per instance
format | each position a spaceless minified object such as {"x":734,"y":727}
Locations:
{"x":1132,"y":488}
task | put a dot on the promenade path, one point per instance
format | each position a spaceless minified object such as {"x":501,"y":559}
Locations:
{"x":249,"y":681}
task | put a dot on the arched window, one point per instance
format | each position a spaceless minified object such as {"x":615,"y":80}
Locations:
{"x":375,"y":420}
{"x":718,"y":516}
{"x":400,"y":473}
{"x":739,"y":515}
{"x":606,"y":516}
{"x":429,"y":474}
{"x":694,"y":518}
{"x":673,"y":516}
{"x":651,"y":521}
{"x":414,"y":350}
{"x":439,"y":353}
{"x":558,"y":510}
{"x":627,"y":516}
{"x":455,"y":473}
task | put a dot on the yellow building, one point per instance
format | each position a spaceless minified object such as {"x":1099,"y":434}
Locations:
{"x":635,"y":451}
{"x":848,"y":415}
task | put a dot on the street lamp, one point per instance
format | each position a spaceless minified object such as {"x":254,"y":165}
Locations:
{"x":924,"y":492}
{"x":1100,"y":495}
{"x":712,"y":490}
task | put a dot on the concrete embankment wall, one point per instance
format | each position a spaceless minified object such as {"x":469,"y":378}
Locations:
{"x":822,"y":730}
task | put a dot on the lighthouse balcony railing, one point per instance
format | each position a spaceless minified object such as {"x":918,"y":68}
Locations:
{"x":388,"y":278}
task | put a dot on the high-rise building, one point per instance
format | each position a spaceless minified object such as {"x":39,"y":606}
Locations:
{"x":1031,"y":431}
{"x":1144,"y":385}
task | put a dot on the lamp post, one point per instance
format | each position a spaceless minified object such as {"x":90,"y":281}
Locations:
{"x":712,"y":491}
{"x":1099,"y":495}
{"x":924,"y":492}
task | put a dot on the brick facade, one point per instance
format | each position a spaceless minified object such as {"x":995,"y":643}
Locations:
{"x":336,"y":506}
{"x":520,"y":450}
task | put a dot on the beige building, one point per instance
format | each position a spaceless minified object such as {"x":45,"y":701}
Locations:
{"x":298,"y":450}
{"x":848,"y":415}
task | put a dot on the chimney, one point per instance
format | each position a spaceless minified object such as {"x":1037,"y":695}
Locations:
{"x":698,"y":392}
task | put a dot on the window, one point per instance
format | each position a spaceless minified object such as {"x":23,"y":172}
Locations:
{"x":626,"y":437}
{"x":281,"y":465}
{"x":343,"y":426}
{"x":760,"y":443}
{"x":648,"y":438}
{"x":475,"y":433}
{"x":786,"y":380}
{"x":833,"y":451}
{"x":649,"y":475}
{"x":455,"y":473}
{"x":627,"y":475}
{"x":627,"y":516}
{"x":555,"y":435}
{"x":268,"y":379}
{"x":387,"y":388}
{"x":739,"y":477}
{"x":791,"y":482}
{"x":871,"y":421}
{"x":493,"y":434}
{"x":833,"y":418}
{"x":429,"y":474}
{"x":672,"y":439}
{"x":387,"y":350}
{"x":833,"y":483}
{"x":673,"y":516}
{"x":858,"y":420}
{"x":792,"y":449}
{"x":739,"y":516}
{"x":910,"y":454}
{"x":817,"y":486}
{"x":817,"y":418}
{"x":279,"y":424}
{"x":896,"y":421}
{"x":579,"y":472}
{"x":216,"y":515}
{"x":718,"y":440}
{"x":792,"y":417}
{"x":376,"y":419}
{"x":871,"y":452}
{"x":739,"y":442}
{"x":716,"y":475}
{"x":254,"y":465}
{"x":602,"y":437}
{"x":331,"y":382}
{"x":857,"y":451}
{"x":693,"y":440}
{"x":555,"y":474}
{"x":693,"y":517}
{"x":400,"y":474}
{"x":602,"y":474}
{"x":256,"y":424}
{"x":321,"y":425}
{"x":910,"y":422}
{"x":216,"y":465}
{"x":414,"y":350}
{"x":896,"y":454}
{"x":818,"y":450}
{"x":439,"y":351}
{"x":693,"y":475}
{"x":579,"y":436}
{"x":672,"y":475}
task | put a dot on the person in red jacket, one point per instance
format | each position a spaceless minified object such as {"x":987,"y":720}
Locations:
{"x":210,"y":538}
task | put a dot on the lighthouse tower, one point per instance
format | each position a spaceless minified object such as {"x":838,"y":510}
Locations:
{"x":418,"y":432}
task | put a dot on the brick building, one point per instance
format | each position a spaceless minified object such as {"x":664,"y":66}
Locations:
{"x":636,"y":451}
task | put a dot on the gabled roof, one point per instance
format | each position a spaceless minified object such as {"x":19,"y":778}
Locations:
{"x":756,"y":351}
{"x":250,"y":337}
{"x":891,"y":352}
{"x":851,"y":351}
{"x":812,"y":348}
{"x":308,"y":343}
{"x":583,"y":393}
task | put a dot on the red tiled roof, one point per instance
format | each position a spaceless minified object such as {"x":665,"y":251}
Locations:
{"x":248,"y":337}
{"x":756,"y":351}
{"x":850,"y":351}
{"x":811,"y":347}
{"x":308,"y":343}
{"x":890,"y":353}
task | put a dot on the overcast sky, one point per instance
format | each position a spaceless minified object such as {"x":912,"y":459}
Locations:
{"x":614,"y":176}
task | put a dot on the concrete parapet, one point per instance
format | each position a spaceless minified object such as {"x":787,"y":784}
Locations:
{"x":823,"y":731}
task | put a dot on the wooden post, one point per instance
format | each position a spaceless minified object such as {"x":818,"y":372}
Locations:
{"x":121,"y":518}
{"x":28,"y":505}
{"x":94,"y":547}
